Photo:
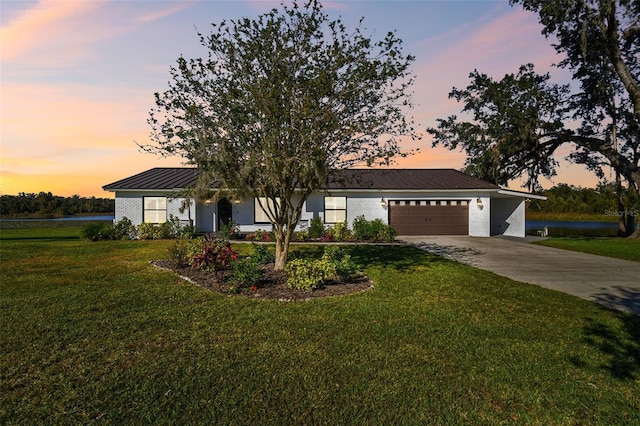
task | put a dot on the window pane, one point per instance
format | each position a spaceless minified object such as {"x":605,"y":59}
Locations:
{"x":155,"y":203}
{"x":155,"y":216}
{"x":335,"y":203}
{"x":260,"y":216}
{"x":335,"y":216}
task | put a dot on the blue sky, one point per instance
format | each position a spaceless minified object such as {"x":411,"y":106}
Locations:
{"x":78,"y":77}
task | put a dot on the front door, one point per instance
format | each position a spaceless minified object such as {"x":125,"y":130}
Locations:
{"x":225,"y":212}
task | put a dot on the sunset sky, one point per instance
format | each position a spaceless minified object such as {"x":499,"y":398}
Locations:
{"x":78,"y":77}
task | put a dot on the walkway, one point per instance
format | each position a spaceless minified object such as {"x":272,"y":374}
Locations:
{"x":610,"y":282}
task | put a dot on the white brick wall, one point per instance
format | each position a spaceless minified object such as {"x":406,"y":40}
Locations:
{"x":502,"y":216}
{"x":130,"y":205}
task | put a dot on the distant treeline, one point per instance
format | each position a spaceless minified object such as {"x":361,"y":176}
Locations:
{"x":565,"y":198}
{"x":46,"y":204}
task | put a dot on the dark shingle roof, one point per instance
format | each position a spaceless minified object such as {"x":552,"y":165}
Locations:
{"x":405,"y":179}
{"x":162,"y":178}
{"x":157,"y":178}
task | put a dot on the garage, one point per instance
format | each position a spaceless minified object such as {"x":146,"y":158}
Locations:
{"x":429,"y":217}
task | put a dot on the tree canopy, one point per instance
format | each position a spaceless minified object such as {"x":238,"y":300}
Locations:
{"x":516,"y":124}
{"x":279,"y":102}
{"x":45,"y":204}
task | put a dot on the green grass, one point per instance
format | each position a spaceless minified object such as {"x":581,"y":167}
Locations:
{"x":91,"y":333}
{"x":621,"y":248}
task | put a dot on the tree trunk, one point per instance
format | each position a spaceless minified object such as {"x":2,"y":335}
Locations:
{"x":635,"y":234}
{"x":283,"y":238}
{"x":281,"y":251}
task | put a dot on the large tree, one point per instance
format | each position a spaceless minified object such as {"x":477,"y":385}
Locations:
{"x":280,"y":102}
{"x":519,"y":122}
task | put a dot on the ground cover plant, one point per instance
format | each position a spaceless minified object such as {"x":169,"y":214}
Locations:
{"x":93,"y":333}
{"x":621,"y":248}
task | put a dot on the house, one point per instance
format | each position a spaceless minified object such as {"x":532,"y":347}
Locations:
{"x":413,"y":201}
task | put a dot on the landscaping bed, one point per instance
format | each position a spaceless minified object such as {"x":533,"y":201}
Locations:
{"x":271,"y":285}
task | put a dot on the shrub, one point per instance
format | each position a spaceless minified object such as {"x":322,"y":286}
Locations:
{"x":374,"y":230}
{"x":167,"y":230}
{"x":188,"y":232}
{"x":307,"y":274}
{"x":260,"y":235}
{"x":212,"y":254}
{"x":97,"y":231}
{"x":246,"y":272}
{"x":147,"y":231}
{"x":230,"y":231}
{"x":124,"y":230}
{"x":316,"y":228}
{"x":179,"y":253}
{"x":301,"y":235}
{"x":340,"y":232}
{"x":262,"y":254}
{"x":362,"y":229}
{"x":387,"y":234}
{"x":345,"y":269}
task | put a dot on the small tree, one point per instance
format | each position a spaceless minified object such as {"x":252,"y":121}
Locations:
{"x":280,"y":102}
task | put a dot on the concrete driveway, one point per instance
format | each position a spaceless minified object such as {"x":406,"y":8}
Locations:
{"x":610,"y":282}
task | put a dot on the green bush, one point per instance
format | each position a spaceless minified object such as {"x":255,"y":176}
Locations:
{"x":148,"y":231}
{"x":345,"y":269}
{"x":124,"y":230}
{"x":230,"y":231}
{"x":166,"y":230}
{"x":188,"y":232}
{"x":246,"y":272}
{"x":301,"y":235}
{"x":374,"y":230}
{"x":316,"y":228}
{"x":97,"y":231}
{"x":362,"y":229}
{"x":341,"y":232}
{"x":387,"y":234}
{"x":179,"y":253}
{"x":309,"y":274}
{"x":262,"y":254}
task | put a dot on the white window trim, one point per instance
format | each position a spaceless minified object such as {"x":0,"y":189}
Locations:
{"x":156,"y":213}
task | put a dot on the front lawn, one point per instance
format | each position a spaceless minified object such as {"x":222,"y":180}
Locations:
{"x":91,"y":332}
{"x":621,"y":248}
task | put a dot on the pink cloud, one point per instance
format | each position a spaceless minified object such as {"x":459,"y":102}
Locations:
{"x":169,"y":10}
{"x":37,"y":25}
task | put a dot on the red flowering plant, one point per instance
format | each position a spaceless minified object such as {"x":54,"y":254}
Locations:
{"x":213,"y":255}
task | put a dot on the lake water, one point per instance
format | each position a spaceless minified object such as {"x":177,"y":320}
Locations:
{"x":566,"y":229}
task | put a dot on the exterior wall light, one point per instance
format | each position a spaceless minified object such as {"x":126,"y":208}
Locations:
{"x":236,"y":201}
{"x":383,"y":203}
{"x":479,"y":204}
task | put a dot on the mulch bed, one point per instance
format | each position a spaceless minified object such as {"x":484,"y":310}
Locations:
{"x":272,"y":285}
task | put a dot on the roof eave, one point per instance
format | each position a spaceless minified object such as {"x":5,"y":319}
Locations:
{"x":528,"y":195}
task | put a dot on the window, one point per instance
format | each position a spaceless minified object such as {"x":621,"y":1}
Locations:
{"x":260,"y":216}
{"x":335,"y":209}
{"x":155,"y":209}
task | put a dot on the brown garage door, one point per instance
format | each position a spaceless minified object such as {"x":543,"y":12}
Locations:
{"x":430,"y":217}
